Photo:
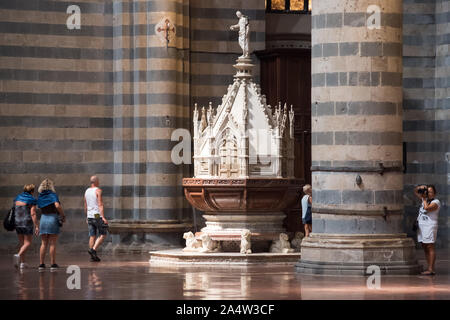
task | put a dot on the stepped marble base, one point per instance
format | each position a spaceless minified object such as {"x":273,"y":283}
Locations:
{"x":177,"y":257}
{"x":352,"y":254}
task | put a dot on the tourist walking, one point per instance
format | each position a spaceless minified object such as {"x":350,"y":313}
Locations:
{"x":25,"y":222}
{"x":428,"y":223}
{"x":95,"y":217}
{"x":52,"y":218}
{"x":306,"y":209}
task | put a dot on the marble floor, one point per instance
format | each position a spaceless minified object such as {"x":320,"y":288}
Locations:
{"x":131,"y":277}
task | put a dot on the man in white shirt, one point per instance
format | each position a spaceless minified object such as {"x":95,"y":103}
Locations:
{"x":97,"y":223}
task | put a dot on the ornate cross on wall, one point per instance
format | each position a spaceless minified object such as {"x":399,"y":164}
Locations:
{"x":163,"y":30}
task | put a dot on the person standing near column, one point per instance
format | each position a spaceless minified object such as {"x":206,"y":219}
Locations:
{"x":306,"y":209}
{"x":428,"y":224}
{"x":97,"y":223}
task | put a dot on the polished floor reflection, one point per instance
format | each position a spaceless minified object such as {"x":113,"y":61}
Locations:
{"x":131,"y":277}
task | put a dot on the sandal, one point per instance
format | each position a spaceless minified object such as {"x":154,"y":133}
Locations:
{"x":428,"y":273}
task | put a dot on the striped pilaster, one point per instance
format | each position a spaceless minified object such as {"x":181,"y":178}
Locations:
{"x":151,"y":99}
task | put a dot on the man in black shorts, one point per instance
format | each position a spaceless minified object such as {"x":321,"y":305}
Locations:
{"x":97,"y":223}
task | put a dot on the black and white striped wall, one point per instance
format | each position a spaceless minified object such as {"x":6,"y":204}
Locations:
{"x":101,"y":100}
{"x":426,"y":105}
{"x":105,"y":99}
{"x":55,"y":103}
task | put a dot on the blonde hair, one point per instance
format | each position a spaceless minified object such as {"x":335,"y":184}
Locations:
{"x":94,"y":179}
{"x":306,"y":188}
{"x":28,"y":188}
{"x":47,"y":184}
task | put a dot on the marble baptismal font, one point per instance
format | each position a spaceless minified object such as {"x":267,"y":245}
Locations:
{"x":243,"y":163}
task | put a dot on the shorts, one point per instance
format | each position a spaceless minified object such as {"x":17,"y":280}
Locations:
{"x":49,"y":224}
{"x":97,"y":226}
{"x":25,"y":230}
{"x":308,"y":216}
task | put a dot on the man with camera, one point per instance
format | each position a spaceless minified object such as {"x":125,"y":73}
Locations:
{"x":428,"y":223}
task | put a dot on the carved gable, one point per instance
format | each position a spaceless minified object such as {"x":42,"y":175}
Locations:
{"x":243,"y":136}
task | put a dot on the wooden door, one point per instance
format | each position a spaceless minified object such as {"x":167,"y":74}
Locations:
{"x":286,"y":77}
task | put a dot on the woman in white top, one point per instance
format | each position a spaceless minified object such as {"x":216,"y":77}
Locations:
{"x":428,"y":223}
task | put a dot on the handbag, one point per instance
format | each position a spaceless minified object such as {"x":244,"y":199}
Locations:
{"x":60,"y":221}
{"x":10,"y":222}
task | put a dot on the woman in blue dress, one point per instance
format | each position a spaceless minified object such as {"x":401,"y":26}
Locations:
{"x":52,"y":217}
{"x":25,"y":222}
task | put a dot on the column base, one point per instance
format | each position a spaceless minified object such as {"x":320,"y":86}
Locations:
{"x":352,"y":254}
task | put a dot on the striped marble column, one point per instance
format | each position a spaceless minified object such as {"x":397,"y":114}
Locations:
{"x":151,"y":100}
{"x":357,"y":176}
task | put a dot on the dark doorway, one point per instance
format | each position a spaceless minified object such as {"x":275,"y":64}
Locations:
{"x":286,"y":77}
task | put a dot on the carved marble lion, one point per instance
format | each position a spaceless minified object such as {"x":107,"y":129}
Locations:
{"x":282,"y":245}
{"x":209,"y":245}
{"x":297,"y":241}
{"x":192,"y":244}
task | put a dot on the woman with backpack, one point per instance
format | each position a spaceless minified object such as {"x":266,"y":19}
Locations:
{"x":25,"y":222}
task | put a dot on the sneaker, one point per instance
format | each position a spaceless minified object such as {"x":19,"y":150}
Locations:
{"x":16,"y":260}
{"x":94,"y":257}
{"x":23,"y":265}
{"x":54,"y":267}
{"x":92,"y":252}
{"x":41,"y":267}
